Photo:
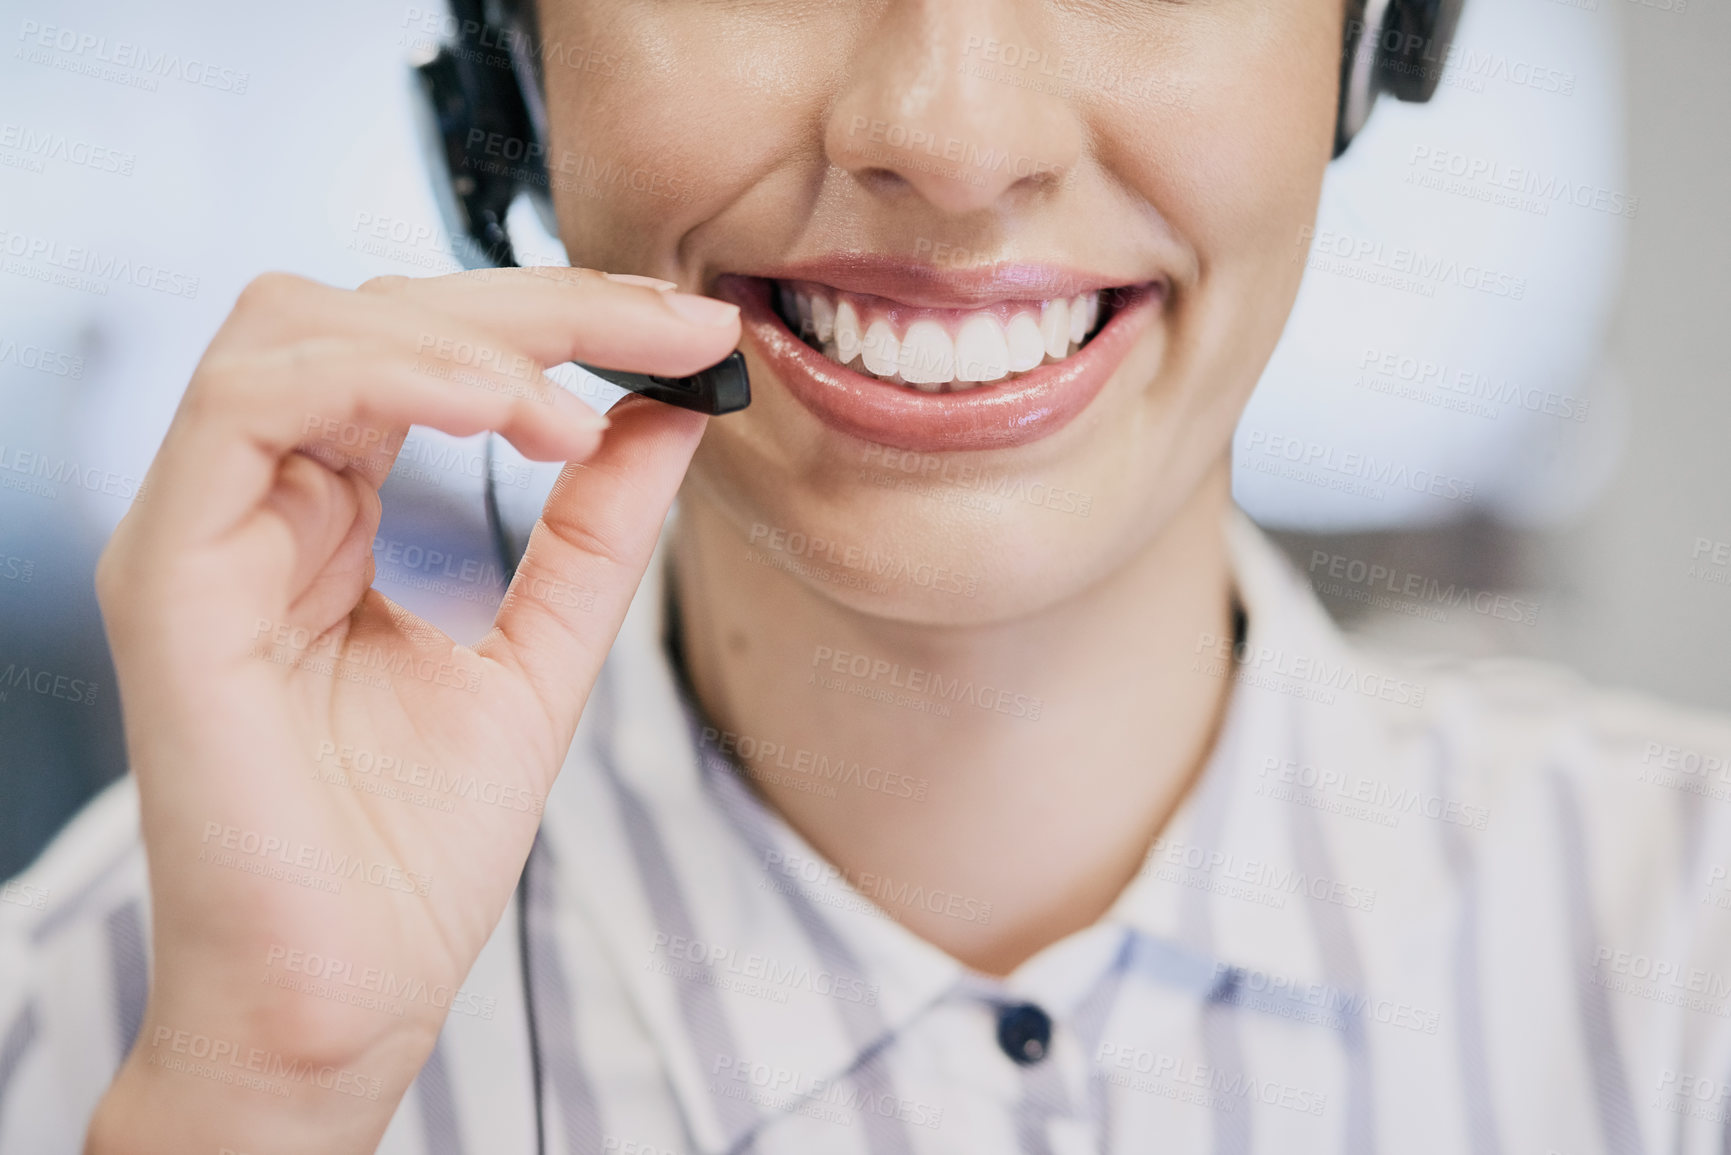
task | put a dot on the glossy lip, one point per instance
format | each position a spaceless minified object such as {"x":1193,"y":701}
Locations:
{"x":991,"y":416}
{"x":936,"y":286}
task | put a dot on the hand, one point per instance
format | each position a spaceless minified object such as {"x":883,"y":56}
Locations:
{"x":251,"y":653}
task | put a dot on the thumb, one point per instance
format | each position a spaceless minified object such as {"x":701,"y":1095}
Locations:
{"x":587,"y":555}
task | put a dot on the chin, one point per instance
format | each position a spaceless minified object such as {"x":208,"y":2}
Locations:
{"x":958,"y":539}
{"x":876,"y":471}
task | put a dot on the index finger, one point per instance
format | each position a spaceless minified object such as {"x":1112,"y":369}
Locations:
{"x":557,"y":314}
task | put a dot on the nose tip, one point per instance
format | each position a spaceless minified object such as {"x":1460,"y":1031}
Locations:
{"x":957,"y":172}
{"x":919,"y":114}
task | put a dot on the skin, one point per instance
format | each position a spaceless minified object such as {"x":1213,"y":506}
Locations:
{"x":260,"y":509}
{"x":1205,"y":183}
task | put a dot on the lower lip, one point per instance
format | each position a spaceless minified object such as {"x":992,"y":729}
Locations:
{"x":993,"y":416}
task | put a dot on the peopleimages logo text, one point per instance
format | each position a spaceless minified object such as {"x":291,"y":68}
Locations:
{"x":104,"y":268}
{"x":1312,"y":669}
{"x":127,"y":54}
{"x":1422,"y":267}
{"x":1364,"y":467}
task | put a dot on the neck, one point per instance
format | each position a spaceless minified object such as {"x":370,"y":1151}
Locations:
{"x":1018,"y":817}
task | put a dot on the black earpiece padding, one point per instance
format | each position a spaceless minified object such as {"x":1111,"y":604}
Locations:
{"x":1411,"y":41}
{"x":492,"y":151}
{"x":1415,"y":42}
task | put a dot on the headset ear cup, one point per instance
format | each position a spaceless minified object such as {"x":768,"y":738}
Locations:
{"x":1395,"y":46}
{"x":1415,"y":46}
{"x":492,"y":149}
{"x":1357,"y":71}
{"x":521,"y":32}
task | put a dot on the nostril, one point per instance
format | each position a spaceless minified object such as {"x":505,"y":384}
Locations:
{"x":881,"y":180}
{"x":1043,"y":179}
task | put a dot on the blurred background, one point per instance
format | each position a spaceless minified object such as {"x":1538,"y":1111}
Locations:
{"x":1499,"y":422}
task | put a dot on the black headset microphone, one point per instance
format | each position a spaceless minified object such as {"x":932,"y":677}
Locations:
{"x":484,"y":96}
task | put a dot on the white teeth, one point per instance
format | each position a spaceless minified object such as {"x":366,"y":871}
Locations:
{"x":822,"y":318}
{"x":928,"y":357}
{"x":847,"y":338}
{"x":1055,"y":328}
{"x":981,"y":351}
{"x":1079,"y":318}
{"x":1027,"y":345}
{"x":880,"y":348}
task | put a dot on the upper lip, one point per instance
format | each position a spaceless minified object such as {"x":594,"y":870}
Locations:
{"x":923,"y":284}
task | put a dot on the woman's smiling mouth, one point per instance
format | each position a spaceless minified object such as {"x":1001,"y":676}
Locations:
{"x":931,"y":360}
{"x":936,"y":350}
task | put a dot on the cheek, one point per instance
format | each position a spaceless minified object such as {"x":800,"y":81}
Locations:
{"x":1234,"y":157}
{"x":1235,"y":167}
{"x":700,"y":108}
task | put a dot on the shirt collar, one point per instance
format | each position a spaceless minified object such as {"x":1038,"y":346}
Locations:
{"x":1241,"y":880}
{"x":637,"y":741}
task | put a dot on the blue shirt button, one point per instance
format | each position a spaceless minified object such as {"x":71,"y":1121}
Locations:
{"x":1024,"y":1032}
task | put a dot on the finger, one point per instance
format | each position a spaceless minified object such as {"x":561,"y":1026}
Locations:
{"x":587,"y":555}
{"x":297,"y":318}
{"x":348,"y":569}
{"x":557,"y":315}
{"x":221,"y":454}
{"x":316,"y":509}
{"x":247,"y":599}
{"x":348,"y":573}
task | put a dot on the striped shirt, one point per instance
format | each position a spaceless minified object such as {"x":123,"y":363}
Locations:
{"x":1409,"y":906}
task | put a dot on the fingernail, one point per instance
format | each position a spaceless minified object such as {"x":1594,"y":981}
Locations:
{"x":701,"y":310}
{"x":646,"y":282}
